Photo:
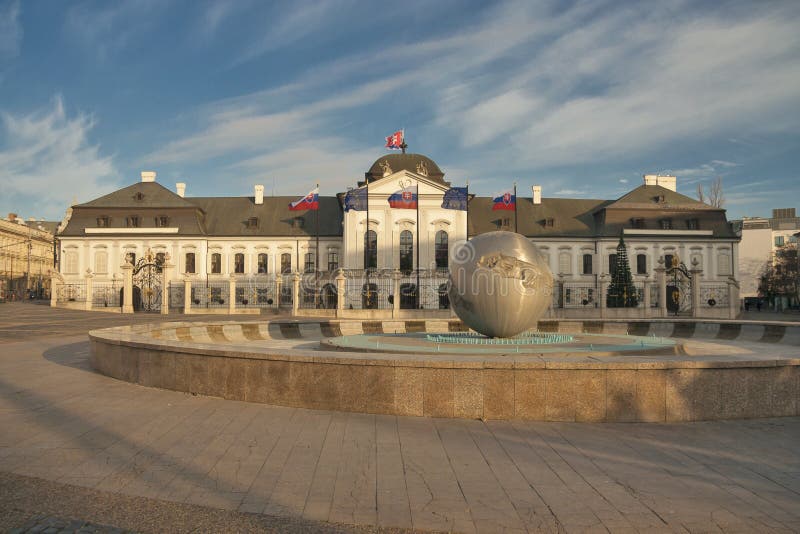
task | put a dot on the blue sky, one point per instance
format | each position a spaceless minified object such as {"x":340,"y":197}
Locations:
{"x":579,"y":97}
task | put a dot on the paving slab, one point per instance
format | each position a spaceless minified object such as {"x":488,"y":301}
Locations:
{"x":80,"y":447}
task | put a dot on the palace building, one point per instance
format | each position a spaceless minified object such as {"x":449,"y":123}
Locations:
{"x":219,"y":238}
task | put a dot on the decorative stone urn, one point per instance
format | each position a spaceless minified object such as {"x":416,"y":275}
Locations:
{"x":500,"y":284}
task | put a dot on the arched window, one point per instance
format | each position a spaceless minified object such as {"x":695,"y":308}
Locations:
{"x":286,"y":263}
{"x":189,"y":262}
{"x":309,"y":264}
{"x":406,"y":251}
{"x":101,"y":262}
{"x":370,"y":250}
{"x":441,"y":252}
{"x":262,"y":264}
{"x":238,"y":263}
{"x":216,"y":263}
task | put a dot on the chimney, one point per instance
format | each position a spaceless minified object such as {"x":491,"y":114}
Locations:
{"x":537,"y":194}
{"x":259,"y":194}
{"x":12,"y":217}
{"x":148,"y":176}
{"x":667,"y":182}
{"x":650,"y":179}
{"x":180,"y":188}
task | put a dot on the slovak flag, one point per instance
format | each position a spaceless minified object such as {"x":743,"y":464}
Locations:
{"x":505,"y":200}
{"x":308,"y":202}
{"x":394,"y":141}
{"x":406,"y":198}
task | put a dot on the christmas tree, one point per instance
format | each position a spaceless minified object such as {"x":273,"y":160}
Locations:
{"x":621,"y":292}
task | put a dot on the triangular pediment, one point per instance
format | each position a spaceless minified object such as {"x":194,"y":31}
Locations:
{"x":392,"y":183}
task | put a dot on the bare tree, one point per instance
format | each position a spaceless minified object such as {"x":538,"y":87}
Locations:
{"x":701,"y":195}
{"x":715,"y":196}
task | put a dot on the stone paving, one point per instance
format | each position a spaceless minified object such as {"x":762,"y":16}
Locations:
{"x":67,"y":426}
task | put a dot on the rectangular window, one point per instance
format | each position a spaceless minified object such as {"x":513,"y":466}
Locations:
{"x":132,"y":221}
{"x":637,"y":222}
{"x":666,"y":224}
{"x":216,"y":263}
{"x":101,"y":262}
{"x":564,"y":263}
{"x":692,"y":224}
{"x":286,"y":263}
{"x":102,"y":222}
{"x":587,"y":264}
{"x":190,"y":262}
{"x":779,"y":241}
{"x":238,"y":263}
{"x":162,"y":221}
{"x":612,"y":264}
{"x":333,"y":261}
{"x":669,"y":259}
{"x":310,"y":264}
{"x":641,"y":264}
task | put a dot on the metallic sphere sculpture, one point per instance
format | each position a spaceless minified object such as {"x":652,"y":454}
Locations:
{"x":500,"y":284}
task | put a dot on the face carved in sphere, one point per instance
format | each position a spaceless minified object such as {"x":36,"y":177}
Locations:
{"x":500,"y":284}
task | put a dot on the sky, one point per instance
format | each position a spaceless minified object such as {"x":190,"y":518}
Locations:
{"x":582,"y":98}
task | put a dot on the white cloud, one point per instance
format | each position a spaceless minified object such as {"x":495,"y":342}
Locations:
{"x":10,"y":30}
{"x":48,"y":162}
{"x":623,"y":180}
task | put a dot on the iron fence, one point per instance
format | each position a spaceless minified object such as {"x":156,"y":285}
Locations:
{"x":176,"y":294}
{"x":71,"y":292}
{"x":106,"y":294}
{"x":578,"y":295}
{"x":210,"y":294}
{"x":258,"y":291}
{"x":318,"y":291}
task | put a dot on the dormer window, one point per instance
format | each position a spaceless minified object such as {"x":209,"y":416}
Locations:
{"x":298,"y":222}
{"x":666,"y":224}
{"x":162,"y":221}
{"x":138,"y":196}
{"x":692,"y":224}
{"x":637,"y":222}
{"x":132,"y":221}
{"x":102,"y":222}
{"x":658,"y":198}
{"x":252,"y":222}
{"x":549,"y":222}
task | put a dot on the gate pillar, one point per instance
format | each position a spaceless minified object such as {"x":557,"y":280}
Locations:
{"x":89,"y":290}
{"x":166,"y":272}
{"x":295,"y":293}
{"x":340,"y":297}
{"x":187,"y":293}
{"x":232,"y":294}
{"x":661,"y":279}
{"x":127,"y":288}
{"x":696,"y":291}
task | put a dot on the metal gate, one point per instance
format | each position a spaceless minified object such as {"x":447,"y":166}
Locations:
{"x":679,"y":289}
{"x":147,"y":284}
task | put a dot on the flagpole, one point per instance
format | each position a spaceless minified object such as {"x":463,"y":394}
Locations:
{"x":515,"y":208}
{"x":466,"y":234}
{"x":317,"y":254}
{"x":368,"y":256}
{"x":419,"y":198}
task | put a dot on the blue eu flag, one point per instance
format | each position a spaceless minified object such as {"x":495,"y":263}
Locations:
{"x":356,"y":199}
{"x":455,"y":198}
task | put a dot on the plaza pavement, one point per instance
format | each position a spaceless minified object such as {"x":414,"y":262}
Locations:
{"x":76,"y":445}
